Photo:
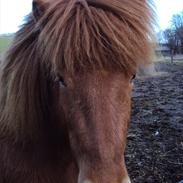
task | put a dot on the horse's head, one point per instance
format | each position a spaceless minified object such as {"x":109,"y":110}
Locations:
{"x":78,"y":57}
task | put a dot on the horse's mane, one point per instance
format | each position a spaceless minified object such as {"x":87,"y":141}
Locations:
{"x":71,"y":36}
{"x":100,"y":34}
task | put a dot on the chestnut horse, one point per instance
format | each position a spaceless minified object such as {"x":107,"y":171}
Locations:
{"x":65,"y":91}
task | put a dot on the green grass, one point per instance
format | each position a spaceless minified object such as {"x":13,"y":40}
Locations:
{"x":5,"y":40}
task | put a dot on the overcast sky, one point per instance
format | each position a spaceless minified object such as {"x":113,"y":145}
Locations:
{"x":12,"y":13}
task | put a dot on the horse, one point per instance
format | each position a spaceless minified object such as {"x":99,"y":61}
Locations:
{"x":65,"y":90}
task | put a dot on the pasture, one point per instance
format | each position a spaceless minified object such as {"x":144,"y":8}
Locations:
{"x":5,"y":40}
{"x":155,"y":140}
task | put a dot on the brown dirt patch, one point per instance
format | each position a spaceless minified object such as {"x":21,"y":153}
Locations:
{"x":154,"y":151}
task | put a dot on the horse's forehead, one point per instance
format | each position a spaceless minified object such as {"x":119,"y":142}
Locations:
{"x":45,"y":1}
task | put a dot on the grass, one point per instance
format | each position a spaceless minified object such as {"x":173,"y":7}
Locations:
{"x":5,"y":41}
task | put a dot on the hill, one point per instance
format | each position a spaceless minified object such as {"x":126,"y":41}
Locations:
{"x":5,"y":40}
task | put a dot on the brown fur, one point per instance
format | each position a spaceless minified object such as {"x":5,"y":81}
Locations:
{"x":95,"y":46}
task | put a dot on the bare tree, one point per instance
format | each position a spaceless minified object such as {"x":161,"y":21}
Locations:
{"x":174,"y":35}
{"x":171,"y":40}
{"x":177,"y":26}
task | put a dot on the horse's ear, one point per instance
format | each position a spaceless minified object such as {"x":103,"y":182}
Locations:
{"x":38,"y":8}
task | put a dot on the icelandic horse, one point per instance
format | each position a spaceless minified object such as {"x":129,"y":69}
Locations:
{"x":65,"y":86}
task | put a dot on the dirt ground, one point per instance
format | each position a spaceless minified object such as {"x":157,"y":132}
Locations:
{"x":154,"y":151}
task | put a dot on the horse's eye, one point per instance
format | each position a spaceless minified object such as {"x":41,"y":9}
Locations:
{"x":61,"y":81}
{"x":133,"y":77}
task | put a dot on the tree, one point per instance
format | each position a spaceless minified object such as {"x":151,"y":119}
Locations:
{"x":174,"y":35}
{"x":171,"y":40}
{"x":177,"y":26}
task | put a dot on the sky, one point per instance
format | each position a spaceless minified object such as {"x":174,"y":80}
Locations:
{"x":12,"y":13}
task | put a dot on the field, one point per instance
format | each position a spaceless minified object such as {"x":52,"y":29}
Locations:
{"x":5,"y":40}
{"x":154,"y":151}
